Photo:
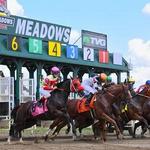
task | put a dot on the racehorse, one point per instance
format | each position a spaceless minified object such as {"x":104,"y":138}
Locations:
{"x":145,"y":96}
{"x":56,"y":105}
{"x":136,"y":109}
{"x":102,"y":106}
{"x":82,"y":120}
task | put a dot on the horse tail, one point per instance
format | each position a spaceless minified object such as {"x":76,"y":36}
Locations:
{"x":14,"y":112}
{"x":13,"y":125}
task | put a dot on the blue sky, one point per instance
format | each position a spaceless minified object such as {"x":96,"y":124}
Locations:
{"x":126,"y":23}
{"x":120,"y":20}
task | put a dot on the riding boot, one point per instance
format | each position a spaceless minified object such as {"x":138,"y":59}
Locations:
{"x":92,"y":111}
{"x":88,"y":100}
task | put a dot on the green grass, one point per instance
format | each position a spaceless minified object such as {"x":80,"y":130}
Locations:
{"x":40,"y":131}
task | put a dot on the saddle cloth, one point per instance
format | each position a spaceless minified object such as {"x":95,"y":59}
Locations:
{"x":81,"y":107}
{"x":39,"y":108}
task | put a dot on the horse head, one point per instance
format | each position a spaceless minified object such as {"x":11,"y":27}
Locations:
{"x":119,"y":92}
{"x":70,"y":85}
{"x":75,"y":85}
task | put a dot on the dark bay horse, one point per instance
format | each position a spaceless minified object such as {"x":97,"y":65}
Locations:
{"x":56,"y":105}
{"x":136,"y":110}
{"x":102,"y":106}
{"x":145,"y":96}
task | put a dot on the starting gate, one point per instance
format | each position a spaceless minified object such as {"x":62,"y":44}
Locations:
{"x":6,"y":96}
{"x":27,"y":90}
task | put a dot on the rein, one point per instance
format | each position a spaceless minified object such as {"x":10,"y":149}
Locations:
{"x":143,"y":95}
{"x":61,"y":89}
{"x":72,"y":85}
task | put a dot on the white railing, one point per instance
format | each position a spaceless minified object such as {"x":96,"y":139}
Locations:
{"x":27,"y":90}
{"x":6,"y":96}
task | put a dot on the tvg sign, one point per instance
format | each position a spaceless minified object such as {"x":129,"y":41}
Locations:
{"x":94,"y":40}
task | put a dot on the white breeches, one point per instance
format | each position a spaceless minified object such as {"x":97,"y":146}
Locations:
{"x":89,"y":89}
{"x":45,"y":93}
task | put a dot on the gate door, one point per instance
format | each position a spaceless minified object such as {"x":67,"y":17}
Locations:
{"x":6,"y":96}
{"x":27,"y":90}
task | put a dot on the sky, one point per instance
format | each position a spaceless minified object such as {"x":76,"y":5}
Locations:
{"x":126,"y":23}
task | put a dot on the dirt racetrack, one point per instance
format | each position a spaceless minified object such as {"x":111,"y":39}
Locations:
{"x":85,"y":143}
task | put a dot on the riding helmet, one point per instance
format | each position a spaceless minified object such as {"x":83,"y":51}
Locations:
{"x":55,"y":70}
{"x":103,"y":77}
{"x":147,"y":82}
{"x":109,"y":78}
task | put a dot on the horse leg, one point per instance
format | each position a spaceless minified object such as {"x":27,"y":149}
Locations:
{"x":142,"y":120}
{"x":112,"y":121}
{"x":103,"y":130}
{"x":69,"y":120}
{"x":144,"y":129}
{"x":20,"y":137}
{"x":66,"y":116}
{"x":135,"y":127}
{"x":51,"y":127}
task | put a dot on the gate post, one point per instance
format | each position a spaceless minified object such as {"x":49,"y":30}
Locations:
{"x":39,"y":75}
{"x":17,"y":82}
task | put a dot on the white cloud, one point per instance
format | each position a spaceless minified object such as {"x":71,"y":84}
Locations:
{"x":139,"y":54}
{"x":146,"y":9}
{"x":15,"y":8}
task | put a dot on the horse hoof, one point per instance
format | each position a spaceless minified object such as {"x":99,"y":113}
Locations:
{"x":97,"y":138}
{"x":74,"y":138}
{"x":46,"y":137}
{"x":66,"y":131}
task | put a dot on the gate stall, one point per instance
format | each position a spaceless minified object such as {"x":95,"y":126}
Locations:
{"x":6,"y":97}
{"x":27,"y":90}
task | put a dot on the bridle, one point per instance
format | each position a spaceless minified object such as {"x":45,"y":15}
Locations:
{"x":72,"y":86}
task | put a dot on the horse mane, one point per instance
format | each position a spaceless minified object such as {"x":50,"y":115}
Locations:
{"x":109,"y":88}
{"x":59,"y":85}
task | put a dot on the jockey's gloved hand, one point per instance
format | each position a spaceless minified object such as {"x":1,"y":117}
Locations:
{"x":81,"y":94}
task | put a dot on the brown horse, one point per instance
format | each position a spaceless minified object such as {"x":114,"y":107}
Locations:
{"x":82,"y":120}
{"x":102,"y":106}
{"x":56,"y":105}
{"x":136,"y":109}
{"x":145,"y":96}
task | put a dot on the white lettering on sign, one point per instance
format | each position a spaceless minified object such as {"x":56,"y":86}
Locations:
{"x":20,"y":27}
{"x":96,"y":41}
{"x":42,"y":30}
{"x":51,"y":32}
{"x":36,"y":30}
{"x":29,"y":28}
{"x":66,"y":35}
{"x":59,"y":33}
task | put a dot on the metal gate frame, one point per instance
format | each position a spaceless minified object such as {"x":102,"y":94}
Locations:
{"x":27,"y":90}
{"x":7,"y":94}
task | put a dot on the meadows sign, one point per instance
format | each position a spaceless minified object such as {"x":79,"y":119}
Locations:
{"x":37,"y":29}
{"x":94,"y":40}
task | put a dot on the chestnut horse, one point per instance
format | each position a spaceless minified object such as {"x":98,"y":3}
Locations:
{"x":82,"y":120}
{"x":56,"y":105}
{"x":102,"y":106}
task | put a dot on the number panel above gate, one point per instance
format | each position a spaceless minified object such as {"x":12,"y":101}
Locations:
{"x":49,"y":45}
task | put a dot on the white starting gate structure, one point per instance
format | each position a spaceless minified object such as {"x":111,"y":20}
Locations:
{"x":27,"y":90}
{"x":6,"y":97}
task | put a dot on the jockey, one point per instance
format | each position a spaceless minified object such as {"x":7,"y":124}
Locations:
{"x":146,"y":86}
{"x":131,"y":83}
{"x":50,"y":82}
{"x":108,"y":82}
{"x":90,"y":86}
